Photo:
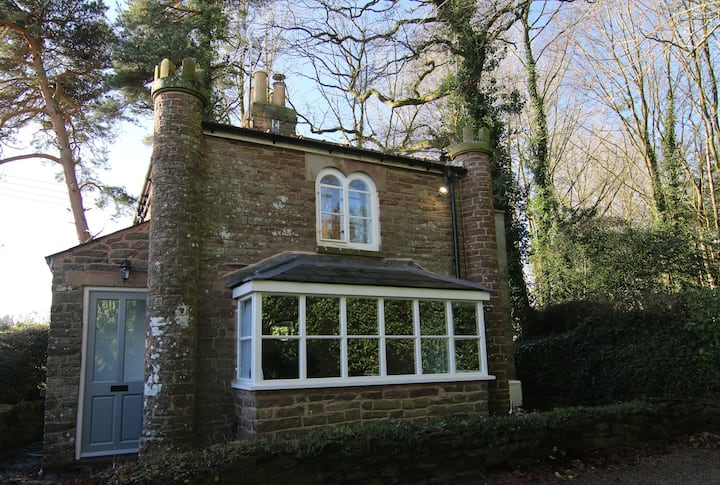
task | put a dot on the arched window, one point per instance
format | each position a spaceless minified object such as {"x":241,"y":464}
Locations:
{"x":347,"y":211}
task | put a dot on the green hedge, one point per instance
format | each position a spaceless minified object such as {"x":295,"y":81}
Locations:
{"x":23,"y":355}
{"x":448,"y":451}
{"x":626,"y":356}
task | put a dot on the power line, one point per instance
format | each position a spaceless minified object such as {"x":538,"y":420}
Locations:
{"x":5,"y":178}
{"x":36,"y":196}
{"x":12,"y":186}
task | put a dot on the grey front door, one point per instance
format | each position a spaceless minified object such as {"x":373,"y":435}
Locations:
{"x":115,"y":363}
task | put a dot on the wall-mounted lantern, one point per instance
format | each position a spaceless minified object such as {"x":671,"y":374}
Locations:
{"x":125,"y":266}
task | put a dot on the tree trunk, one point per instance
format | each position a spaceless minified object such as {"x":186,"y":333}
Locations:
{"x":67,"y":160}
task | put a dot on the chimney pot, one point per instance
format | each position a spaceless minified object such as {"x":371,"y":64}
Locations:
{"x":260,"y":86}
{"x":278,"y":94}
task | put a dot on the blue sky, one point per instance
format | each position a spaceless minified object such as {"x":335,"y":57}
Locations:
{"x":35,"y":219}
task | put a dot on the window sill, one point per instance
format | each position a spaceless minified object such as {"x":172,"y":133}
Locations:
{"x":349,"y":251}
{"x":283,"y":384}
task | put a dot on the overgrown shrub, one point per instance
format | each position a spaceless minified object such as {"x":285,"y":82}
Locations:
{"x":627,"y":356}
{"x":23,"y":355}
{"x":586,"y":257}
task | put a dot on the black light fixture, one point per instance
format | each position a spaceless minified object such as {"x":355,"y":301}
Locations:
{"x":125,"y":266}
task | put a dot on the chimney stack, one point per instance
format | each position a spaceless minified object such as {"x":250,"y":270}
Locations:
{"x":267,"y":111}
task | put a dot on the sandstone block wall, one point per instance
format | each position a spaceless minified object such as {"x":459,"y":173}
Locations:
{"x":92,"y":264}
{"x":271,"y":415}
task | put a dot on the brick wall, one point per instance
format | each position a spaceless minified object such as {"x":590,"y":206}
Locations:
{"x":92,"y":264}
{"x":260,"y":201}
{"x":271,"y":415}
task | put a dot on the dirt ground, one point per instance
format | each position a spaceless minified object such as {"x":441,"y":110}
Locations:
{"x":688,"y":460}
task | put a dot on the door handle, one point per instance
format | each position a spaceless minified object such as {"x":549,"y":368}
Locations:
{"x":119,"y":388}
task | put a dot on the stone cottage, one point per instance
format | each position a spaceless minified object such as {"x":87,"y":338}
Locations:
{"x":273,"y":284}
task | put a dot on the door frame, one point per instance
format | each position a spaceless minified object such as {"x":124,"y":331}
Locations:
{"x":84,"y":356}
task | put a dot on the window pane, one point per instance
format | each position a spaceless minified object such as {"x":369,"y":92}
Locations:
{"x":323,"y":358}
{"x":322,"y":316}
{"x":134,"y":358}
{"x":280,"y":315}
{"x":432,"y":318}
{"x":434,"y":355}
{"x":398,"y":317}
{"x":467,"y":355}
{"x":400,"y":356}
{"x":363,"y":357}
{"x":331,"y":200}
{"x":362,"y":316}
{"x":464,"y":318}
{"x":360,"y":230}
{"x":332,"y":227}
{"x":106,"y":344}
{"x":359,"y":203}
{"x":280,"y":359}
{"x":359,"y":185}
{"x":330,"y":180}
{"x":246,"y":318}
{"x":245,"y":360}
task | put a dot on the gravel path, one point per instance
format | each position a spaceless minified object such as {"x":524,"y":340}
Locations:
{"x":687,"y":460}
{"x":688,"y":466}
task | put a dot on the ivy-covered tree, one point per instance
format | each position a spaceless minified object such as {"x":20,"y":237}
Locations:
{"x":53,"y":58}
{"x":474,"y":35}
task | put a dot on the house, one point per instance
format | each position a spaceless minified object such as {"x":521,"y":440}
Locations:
{"x":274,"y":284}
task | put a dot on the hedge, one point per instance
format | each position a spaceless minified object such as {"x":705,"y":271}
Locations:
{"x":623,"y":357}
{"x":449,"y":451}
{"x":23,"y":356}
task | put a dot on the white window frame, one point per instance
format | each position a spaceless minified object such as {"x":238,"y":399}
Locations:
{"x":252,"y":292}
{"x":344,"y":242}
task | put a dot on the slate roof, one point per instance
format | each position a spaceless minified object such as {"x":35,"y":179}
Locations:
{"x":347,"y":270}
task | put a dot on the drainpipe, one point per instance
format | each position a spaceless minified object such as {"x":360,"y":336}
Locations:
{"x":453,"y":217}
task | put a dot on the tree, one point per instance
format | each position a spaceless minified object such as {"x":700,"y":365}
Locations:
{"x":692,"y":31}
{"x":217,"y":34}
{"x":543,"y":205}
{"x":53,"y":58}
{"x":376,"y":67}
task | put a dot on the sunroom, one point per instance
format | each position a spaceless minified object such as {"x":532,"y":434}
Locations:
{"x":309,"y":320}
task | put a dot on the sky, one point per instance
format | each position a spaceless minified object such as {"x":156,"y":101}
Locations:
{"x":35,"y":220}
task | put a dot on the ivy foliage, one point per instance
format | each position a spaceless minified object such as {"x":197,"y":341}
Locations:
{"x":621,"y":356}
